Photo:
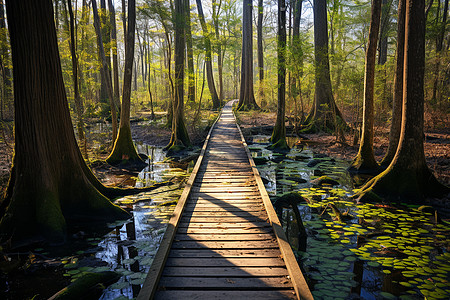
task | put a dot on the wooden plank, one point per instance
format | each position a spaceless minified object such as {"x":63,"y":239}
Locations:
{"x":260,"y":283}
{"x":301,"y":287}
{"x":227,"y":253}
{"x":225,"y":271}
{"x":194,"y":230}
{"x":225,"y":295}
{"x":266,"y":244}
{"x":215,"y":214}
{"x":222,"y":208}
{"x":223,"y":225}
{"x":224,"y":237}
{"x":225,"y":262}
{"x":249,"y":219}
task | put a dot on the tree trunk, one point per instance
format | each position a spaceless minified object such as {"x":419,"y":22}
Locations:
{"x":180,"y":138}
{"x":58,"y":190}
{"x":215,"y":17}
{"x":124,"y":151}
{"x":364,"y":161}
{"x":278,"y":138}
{"x":324,"y":115}
{"x":260,"y":52}
{"x":209,"y":70}
{"x":439,"y":44}
{"x":78,"y":101}
{"x":384,"y":26}
{"x":190,"y":54}
{"x":297,"y":56}
{"x":396,"y":122}
{"x":104,"y":70}
{"x":247,"y":97}
{"x":408,"y":179}
{"x":112,"y":20}
{"x":104,"y":94}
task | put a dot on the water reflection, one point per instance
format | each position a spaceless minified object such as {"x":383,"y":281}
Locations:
{"x":130,"y":248}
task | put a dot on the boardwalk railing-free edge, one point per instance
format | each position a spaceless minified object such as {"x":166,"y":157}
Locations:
{"x":151,"y":283}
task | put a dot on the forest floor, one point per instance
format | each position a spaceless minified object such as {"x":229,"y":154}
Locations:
{"x":437,"y":143}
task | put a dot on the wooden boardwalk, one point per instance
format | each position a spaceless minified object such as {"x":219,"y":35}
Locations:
{"x":224,"y":239}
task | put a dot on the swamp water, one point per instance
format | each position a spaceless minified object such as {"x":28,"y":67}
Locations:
{"x":374,"y":251}
{"x":130,"y":247}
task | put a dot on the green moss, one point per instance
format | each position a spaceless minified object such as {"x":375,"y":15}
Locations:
{"x":124,"y":151}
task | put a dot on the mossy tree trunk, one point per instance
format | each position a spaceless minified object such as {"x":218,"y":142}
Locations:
{"x":408,"y":177}
{"x":104,"y":70}
{"x":52,"y":186}
{"x":215,"y":16}
{"x":324,"y":115}
{"x":365,"y":159}
{"x":278,"y":138}
{"x":180,"y":138}
{"x":396,"y":120}
{"x":297,"y":58}
{"x":208,"y":57}
{"x":246,"y":96}
{"x":124,"y":150}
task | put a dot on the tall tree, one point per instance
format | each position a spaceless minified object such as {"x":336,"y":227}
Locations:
{"x":78,"y":101}
{"x":259,"y":29}
{"x":384,"y":28}
{"x":297,"y":56}
{"x":124,"y":150}
{"x":278,"y":138}
{"x":179,"y":139}
{"x":104,"y":70}
{"x":439,"y":49}
{"x":324,"y":115}
{"x":365,"y":159}
{"x":190,"y":54}
{"x":246,"y":96}
{"x":408,"y":177}
{"x":106,"y":38}
{"x":209,"y":69}
{"x":115,"y":66}
{"x":396,"y":120}
{"x":44,"y":200}
{"x":215,"y":17}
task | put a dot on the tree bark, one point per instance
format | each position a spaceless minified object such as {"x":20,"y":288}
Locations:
{"x":324,"y":115}
{"x":190,"y":54}
{"x":278,"y":138}
{"x":396,"y":122}
{"x":209,"y":70}
{"x":112,"y":21}
{"x":247,"y":97}
{"x":408,"y":178}
{"x":124,"y":151}
{"x":297,"y":57}
{"x":365,"y":159}
{"x":179,"y":139}
{"x":260,"y":52}
{"x":104,"y":70}
{"x":59,"y":189}
{"x":103,"y":14}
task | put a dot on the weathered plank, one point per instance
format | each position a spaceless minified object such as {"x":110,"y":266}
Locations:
{"x":223,"y":237}
{"x":225,"y":262}
{"x":260,"y":283}
{"x":225,"y":271}
{"x":225,"y":295}
{"x":265,"y":244}
{"x":228,"y":253}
